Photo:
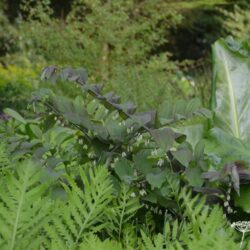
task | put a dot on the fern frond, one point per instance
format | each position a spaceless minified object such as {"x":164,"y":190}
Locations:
{"x":94,"y":243}
{"x":172,"y":234}
{"x":206,"y":227}
{"x":202,"y":227}
{"x":147,"y":242}
{"x":192,"y":207}
{"x":214,"y":233}
{"x":83,"y":212}
{"x":4,"y":156}
{"x":158,"y":242}
{"x":24,"y":209}
{"x":129,"y":237}
{"x":123,"y":209}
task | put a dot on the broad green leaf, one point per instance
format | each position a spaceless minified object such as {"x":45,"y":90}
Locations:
{"x":66,"y":73}
{"x":243,"y":200}
{"x":166,"y":112}
{"x":117,"y":133}
{"x":36,"y":130}
{"x":73,"y":111}
{"x":183,"y":154}
{"x":194,"y":133}
{"x":170,"y":111}
{"x":199,"y":150}
{"x":156,"y":178}
{"x":124,"y":170}
{"x":231,"y":87}
{"x":142,"y":163}
{"x":15,"y":115}
{"x":225,"y":148}
{"x":92,"y":107}
{"x":194,"y":176}
{"x":127,"y":107}
{"x":59,"y":134}
{"x":49,"y":72}
{"x":101,"y":113}
{"x":145,"y":118}
{"x":164,"y":137}
{"x":82,"y":73}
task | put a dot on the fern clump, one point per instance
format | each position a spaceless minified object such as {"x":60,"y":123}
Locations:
{"x":84,"y":210}
{"x":122,"y":213}
{"x":90,"y":216}
{"x":201,"y":227}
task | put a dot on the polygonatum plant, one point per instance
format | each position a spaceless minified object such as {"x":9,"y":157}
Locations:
{"x":141,"y":149}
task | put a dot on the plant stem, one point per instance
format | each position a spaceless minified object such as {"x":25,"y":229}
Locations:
{"x":19,"y":209}
{"x":242,"y":239}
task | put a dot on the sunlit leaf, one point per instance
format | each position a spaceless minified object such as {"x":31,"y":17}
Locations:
{"x":231,"y":87}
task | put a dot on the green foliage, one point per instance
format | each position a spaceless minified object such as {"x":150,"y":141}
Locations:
{"x":236,"y":21}
{"x":224,"y":148}
{"x":126,"y":43}
{"x":8,"y":34}
{"x":227,"y":144}
{"x":89,"y":171}
{"x":122,"y":42}
{"x":15,"y":86}
{"x":33,"y":219}
{"x":24,"y":208}
{"x":141,"y":151}
{"x":132,"y":137}
{"x":242,"y":200}
{"x":200,"y":227}
{"x":147,"y":147}
{"x":114,"y":44}
{"x":83,"y":212}
{"x":193,"y":3}
{"x":123,"y":210}
{"x":144,"y":150}
{"x":55,"y":147}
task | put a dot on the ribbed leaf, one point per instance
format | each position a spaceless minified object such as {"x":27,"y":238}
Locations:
{"x":231,"y":87}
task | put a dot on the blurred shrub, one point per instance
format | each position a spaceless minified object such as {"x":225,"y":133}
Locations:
{"x":8,"y":35}
{"x":150,"y":83}
{"x":119,"y":42}
{"x":15,"y":86}
{"x":123,"y":43}
{"x":236,"y":21}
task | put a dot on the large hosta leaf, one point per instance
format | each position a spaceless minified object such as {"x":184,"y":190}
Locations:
{"x":231,"y":87}
{"x":222,"y":148}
